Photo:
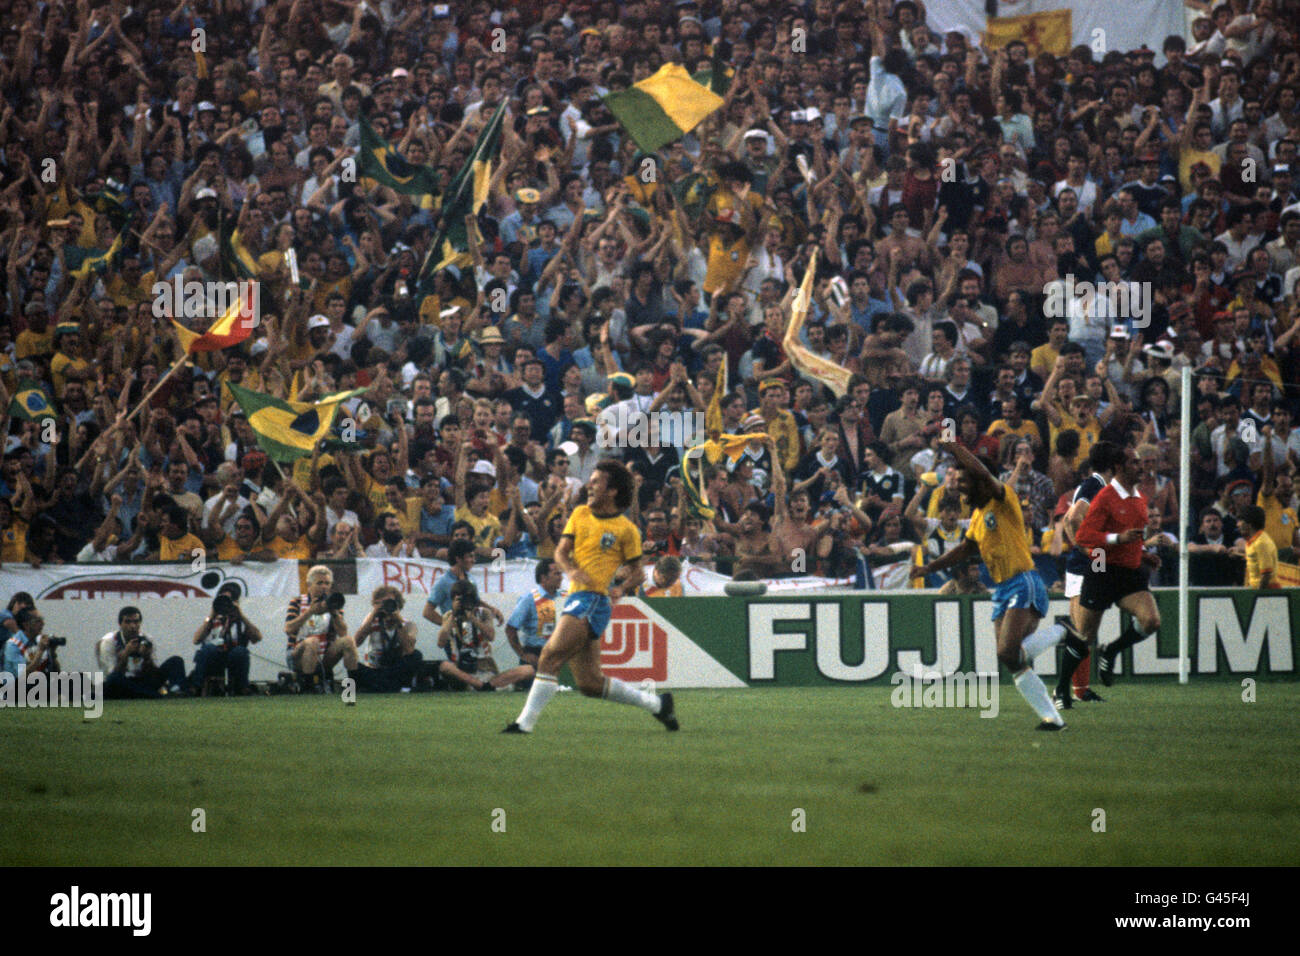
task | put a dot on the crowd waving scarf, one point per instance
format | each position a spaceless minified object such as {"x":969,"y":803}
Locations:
{"x":711,"y":452}
{"x":835,"y":377}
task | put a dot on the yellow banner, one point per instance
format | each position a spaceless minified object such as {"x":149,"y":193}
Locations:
{"x":1048,"y":32}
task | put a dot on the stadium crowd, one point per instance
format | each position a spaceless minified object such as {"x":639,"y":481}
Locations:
{"x":961,"y":202}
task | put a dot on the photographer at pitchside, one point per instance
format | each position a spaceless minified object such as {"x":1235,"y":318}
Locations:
{"x":223,"y":640}
{"x":392,"y":662}
{"x":126,"y":657}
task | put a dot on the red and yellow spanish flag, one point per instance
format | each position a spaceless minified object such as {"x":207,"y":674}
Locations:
{"x":232,"y":326}
{"x":835,"y":377}
{"x":1046,"y":32}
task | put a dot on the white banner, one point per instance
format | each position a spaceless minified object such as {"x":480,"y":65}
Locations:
{"x":1110,"y":24}
{"x":514,"y":578}
{"x":128,"y":583}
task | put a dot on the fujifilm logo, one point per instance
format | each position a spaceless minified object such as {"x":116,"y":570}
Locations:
{"x":62,"y":689}
{"x":207,"y":300}
{"x":92,"y":910}
{"x":1124,"y":300}
{"x":975,"y":691}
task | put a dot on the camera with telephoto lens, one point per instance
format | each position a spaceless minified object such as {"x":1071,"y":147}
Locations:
{"x":57,"y":642}
{"x":334,"y":602}
{"x":223,"y":605}
{"x":389,"y":607}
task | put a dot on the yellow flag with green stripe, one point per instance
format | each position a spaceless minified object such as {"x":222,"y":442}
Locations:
{"x":285,"y":430}
{"x":663,"y":107}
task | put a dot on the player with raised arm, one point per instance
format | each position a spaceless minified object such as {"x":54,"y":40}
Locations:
{"x":997,"y":534}
{"x":1116,"y":522}
{"x":1104,"y":458}
{"x":598,"y":542}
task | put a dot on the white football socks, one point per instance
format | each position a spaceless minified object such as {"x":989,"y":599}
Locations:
{"x":621,"y":692}
{"x":543,"y":689}
{"x":1034,"y":691}
{"x":1041,"y":640}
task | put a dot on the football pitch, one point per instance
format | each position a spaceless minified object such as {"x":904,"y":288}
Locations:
{"x":1184,"y":775}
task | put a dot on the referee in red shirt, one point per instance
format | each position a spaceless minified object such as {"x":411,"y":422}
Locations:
{"x":1115,"y":524}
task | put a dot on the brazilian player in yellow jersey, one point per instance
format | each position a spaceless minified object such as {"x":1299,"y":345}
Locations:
{"x":997,"y":534}
{"x":597,"y":544}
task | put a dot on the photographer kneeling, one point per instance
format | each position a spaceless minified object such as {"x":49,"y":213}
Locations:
{"x":467,"y":634}
{"x":392,"y":662}
{"x":130,"y":671}
{"x":29,"y":649}
{"x":317,"y":633}
{"x":224,"y":637}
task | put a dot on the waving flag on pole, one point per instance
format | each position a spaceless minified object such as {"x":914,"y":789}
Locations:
{"x":835,"y":377}
{"x":465,"y":197}
{"x":232,"y":327}
{"x":285,"y":430}
{"x":663,"y":107}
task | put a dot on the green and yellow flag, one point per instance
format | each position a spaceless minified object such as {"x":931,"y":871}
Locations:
{"x":236,"y":260}
{"x":285,"y":430}
{"x":663,"y":107}
{"x":385,"y":165}
{"x":30,"y":403}
{"x":104,"y":261}
{"x":717,"y":76}
{"x":465,"y":197}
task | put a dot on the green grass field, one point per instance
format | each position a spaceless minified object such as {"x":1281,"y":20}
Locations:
{"x":1186,"y":775}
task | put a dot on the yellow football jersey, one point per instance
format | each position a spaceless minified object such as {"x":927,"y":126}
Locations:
{"x":999,"y":530}
{"x":602,"y":545}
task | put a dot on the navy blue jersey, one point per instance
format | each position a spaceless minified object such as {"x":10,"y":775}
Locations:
{"x":1078,"y":561}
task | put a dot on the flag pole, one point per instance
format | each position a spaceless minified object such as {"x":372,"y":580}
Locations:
{"x":185,"y":357}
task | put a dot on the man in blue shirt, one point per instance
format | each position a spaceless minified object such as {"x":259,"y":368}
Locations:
{"x":534,"y":614}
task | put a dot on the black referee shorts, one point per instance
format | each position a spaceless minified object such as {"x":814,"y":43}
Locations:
{"x":1101,"y":589}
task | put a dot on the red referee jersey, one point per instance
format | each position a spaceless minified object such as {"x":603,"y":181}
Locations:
{"x":1113,"y":511}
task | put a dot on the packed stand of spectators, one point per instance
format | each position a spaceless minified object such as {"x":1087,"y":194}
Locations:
{"x":961,"y":202}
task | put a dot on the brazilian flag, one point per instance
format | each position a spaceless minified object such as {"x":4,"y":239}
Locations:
{"x":382,"y":163}
{"x":30,"y":403}
{"x":287,"y":430}
{"x":693,"y":192}
{"x":104,"y":261}
{"x":236,"y":260}
{"x":465,"y":197}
